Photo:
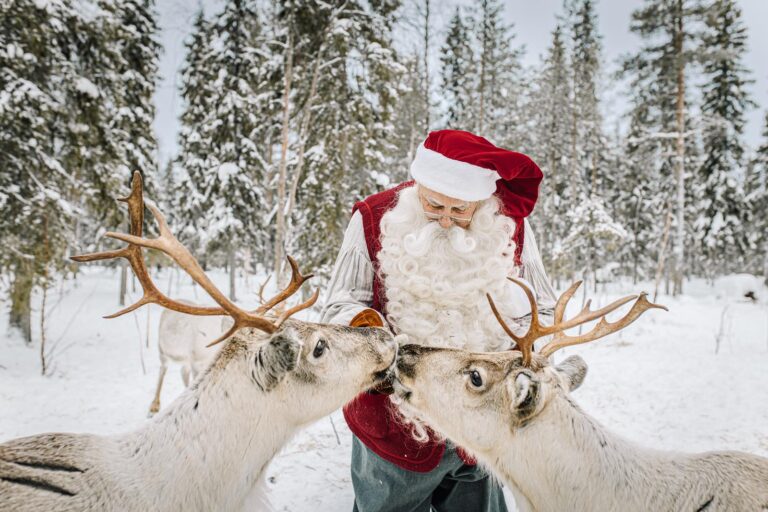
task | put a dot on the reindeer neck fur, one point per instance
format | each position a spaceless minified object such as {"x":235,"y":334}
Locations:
{"x":565,"y":460}
{"x":209,"y":448}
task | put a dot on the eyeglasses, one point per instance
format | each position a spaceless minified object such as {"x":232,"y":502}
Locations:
{"x":457,"y":220}
{"x":437,"y":216}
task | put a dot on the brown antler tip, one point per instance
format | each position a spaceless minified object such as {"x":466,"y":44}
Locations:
{"x":644,"y":298}
{"x":232,"y":330}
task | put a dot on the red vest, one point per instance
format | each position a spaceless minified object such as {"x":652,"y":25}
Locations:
{"x":371,"y":416}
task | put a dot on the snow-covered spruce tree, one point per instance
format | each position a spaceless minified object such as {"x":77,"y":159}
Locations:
{"x":757,"y":197}
{"x":458,"y":74}
{"x":551,"y":113}
{"x":126,"y":51}
{"x":500,"y":105}
{"x":589,"y":168}
{"x":345,"y":82}
{"x":223,"y":165}
{"x":723,"y":219}
{"x":593,"y":235}
{"x":131,"y":26}
{"x":408,"y":119}
{"x":640,"y":199}
{"x":89,"y":149}
{"x":36,"y":225}
{"x":186,"y":199}
{"x":588,"y":141}
{"x":658,"y":74}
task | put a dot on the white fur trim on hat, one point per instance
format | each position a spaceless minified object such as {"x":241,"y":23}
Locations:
{"x":453,"y":178}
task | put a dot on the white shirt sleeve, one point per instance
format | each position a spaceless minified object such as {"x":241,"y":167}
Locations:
{"x":533,"y":270}
{"x":532,"y":274}
{"x":350,"y":289}
{"x":535,"y":277}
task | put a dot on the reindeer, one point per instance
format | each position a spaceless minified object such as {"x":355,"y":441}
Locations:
{"x":209,"y":448}
{"x":514,"y":412}
{"x":184,"y":339}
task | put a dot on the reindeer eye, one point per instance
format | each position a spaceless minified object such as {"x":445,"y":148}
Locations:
{"x":320,"y":348}
{"x":476,"y":379}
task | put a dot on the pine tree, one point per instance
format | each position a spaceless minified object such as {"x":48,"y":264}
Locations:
{"x":343,"y":145}
{"x":90,"y":144}
{"x":458,"y":76}
{"x":500,"y":90}
{"x":658,"y":74}
{"x":593,"y":235}
{"x":36,"y":225}
{"x":640,"y":200}
{"x":551,"y":113}
{"x":408,"y":119}
{"x":187,"y":202}
{"x":757,"y":197}
{"x":723,"y":217}
{"x":588,"y":141}
{"x":225,"y":169}
{"x":132,"y":25}
{"x":587,"y":208}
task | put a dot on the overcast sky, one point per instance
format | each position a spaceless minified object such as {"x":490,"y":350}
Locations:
{"x":534,"y":21}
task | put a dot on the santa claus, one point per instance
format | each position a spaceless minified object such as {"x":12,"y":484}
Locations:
{"x":420,"y":258}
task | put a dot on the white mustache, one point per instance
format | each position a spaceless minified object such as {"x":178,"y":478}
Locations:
{"x":418,"y":243}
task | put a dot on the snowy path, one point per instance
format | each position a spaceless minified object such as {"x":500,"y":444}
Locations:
{"x":659,"y":383}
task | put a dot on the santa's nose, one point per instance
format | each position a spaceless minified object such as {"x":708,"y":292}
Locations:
{"x":445,"y":222}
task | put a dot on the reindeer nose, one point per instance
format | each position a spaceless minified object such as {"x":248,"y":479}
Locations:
{"x":407,"y":357}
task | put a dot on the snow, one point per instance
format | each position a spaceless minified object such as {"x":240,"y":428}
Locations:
{"x":87,"y":87}
{"x":659,"y":382}
{"x":227,"y":170}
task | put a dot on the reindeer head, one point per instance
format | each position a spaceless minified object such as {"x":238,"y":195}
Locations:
{"x":313,"y":369}
{"x":470,"y":396}
{"x":325,"y":365}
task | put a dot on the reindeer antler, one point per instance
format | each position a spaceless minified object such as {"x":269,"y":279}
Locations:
{"x":168,"y":244}
{"x":560,"y":340}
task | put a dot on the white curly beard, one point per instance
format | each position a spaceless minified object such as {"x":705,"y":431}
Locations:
{"x":435,"y":279}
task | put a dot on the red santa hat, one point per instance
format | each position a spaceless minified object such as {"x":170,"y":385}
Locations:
{"x":465,"y":166}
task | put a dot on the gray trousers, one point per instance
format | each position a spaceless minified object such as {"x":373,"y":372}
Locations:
{"x":452,"y":486}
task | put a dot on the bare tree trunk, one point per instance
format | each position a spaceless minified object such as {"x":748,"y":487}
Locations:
{"x":283,"y":169}
{"x":123,"y":281}
{"x":635,"y":251}
{"x":232,"y":274}
{"x":21,"y":301}
{"x":42,"y":329}
{"x":46,"y":257}
{"x":765,"y":263}
{"x":662,"y":252}
{"x":680,"y":154}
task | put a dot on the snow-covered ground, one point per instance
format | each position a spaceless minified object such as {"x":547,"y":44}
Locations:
{"x":660,"y":382}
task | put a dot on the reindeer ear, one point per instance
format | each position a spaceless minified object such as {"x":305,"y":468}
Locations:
{"x":574,"y":369}
{"x":275,"y":359}
{"x":523,"y":390}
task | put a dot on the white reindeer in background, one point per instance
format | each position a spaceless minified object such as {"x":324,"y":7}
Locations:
{"x":208,"y":450}
{"x":514,"y":412}
{"x":183,"y":339}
